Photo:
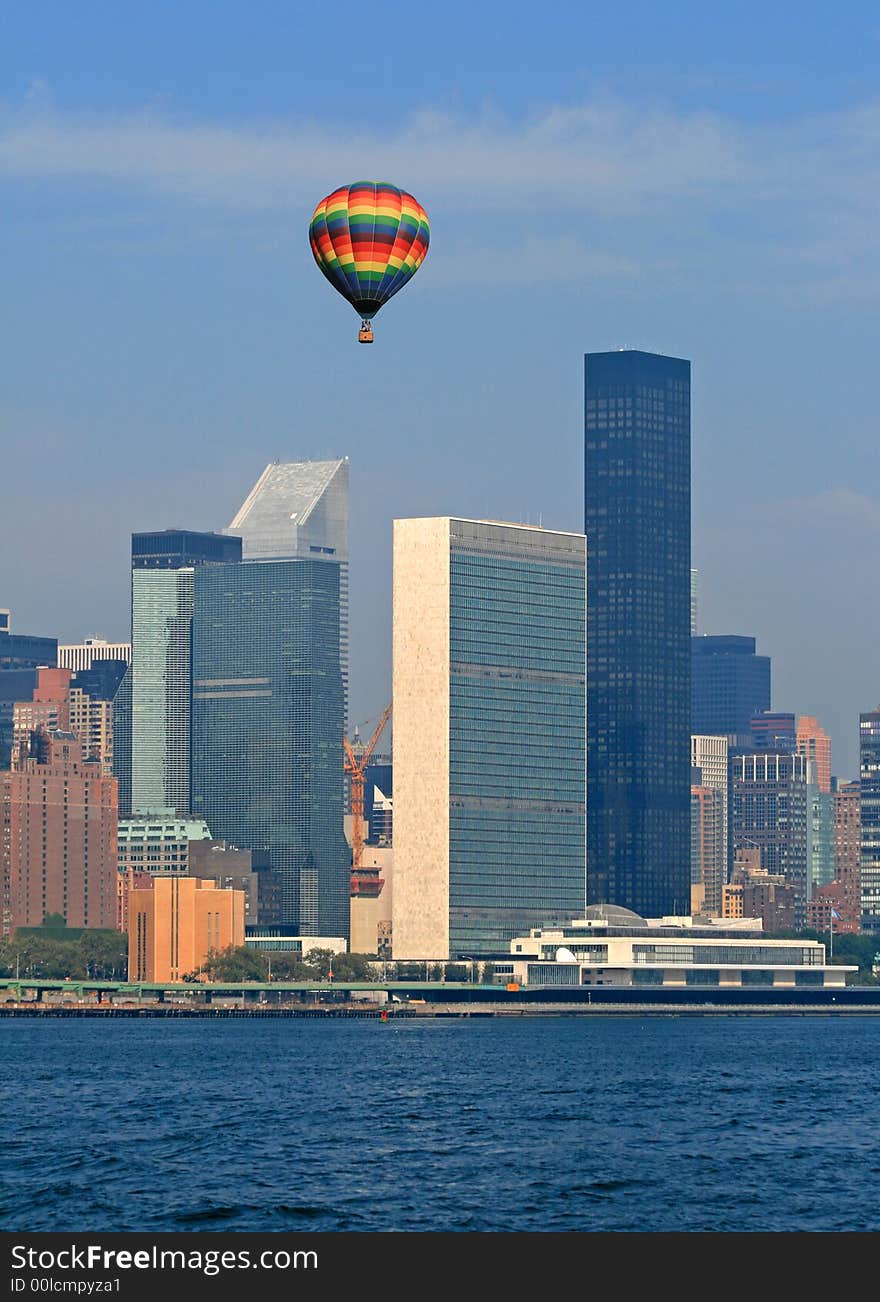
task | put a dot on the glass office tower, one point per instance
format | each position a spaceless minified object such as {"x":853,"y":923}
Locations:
{"x":489,"y":734}
{"x":300,"y":509}
{"x":163,"y":565}
{"x":267,"y":729}
{"x":638,"y":521}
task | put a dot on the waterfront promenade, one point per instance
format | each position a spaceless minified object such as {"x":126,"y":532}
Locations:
{"x":105,"y":999}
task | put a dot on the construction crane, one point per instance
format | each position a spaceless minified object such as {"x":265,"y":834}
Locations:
{"x":363,"y":881}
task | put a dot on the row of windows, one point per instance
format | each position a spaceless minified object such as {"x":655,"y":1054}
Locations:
{"x":806,"y":956}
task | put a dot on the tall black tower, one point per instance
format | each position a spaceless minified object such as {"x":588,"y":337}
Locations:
{"x":638,"y":526}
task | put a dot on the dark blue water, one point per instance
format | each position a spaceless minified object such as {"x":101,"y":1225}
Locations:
{"x":596,"y":1124}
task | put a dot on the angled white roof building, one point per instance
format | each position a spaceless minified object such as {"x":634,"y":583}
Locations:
{"x":299,"y":509}
{"x":296,"y":508}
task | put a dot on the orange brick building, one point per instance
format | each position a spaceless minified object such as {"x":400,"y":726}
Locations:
{"x":813,"y":742}
{"x":126,"y":881}
{"x":176,"y":922}
{"x":58,"y":819}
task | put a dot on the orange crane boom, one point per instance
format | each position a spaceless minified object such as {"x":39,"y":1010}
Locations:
{"x":355,"y":766}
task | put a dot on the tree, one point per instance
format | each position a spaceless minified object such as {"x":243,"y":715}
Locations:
{"x":237,"y":963}
{"x":288,"y":967}
{"x":353,"y":967}
{"x":103,"y":955}
{"x":320,"y":962}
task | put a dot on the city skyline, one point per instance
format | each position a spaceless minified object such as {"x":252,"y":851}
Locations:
{"x":158,"y":275}
{"x":451,"y":765}
{"x":368,"y":703}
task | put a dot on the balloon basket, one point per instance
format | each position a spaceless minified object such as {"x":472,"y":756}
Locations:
{"x":365,"y":334}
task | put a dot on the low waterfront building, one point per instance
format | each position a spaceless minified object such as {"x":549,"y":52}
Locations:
{"x":613,"y":946}
{"x":176,"y":923}
{"x":280,"y":940}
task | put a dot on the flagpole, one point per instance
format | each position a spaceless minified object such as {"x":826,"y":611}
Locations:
{"x":831,"y":933}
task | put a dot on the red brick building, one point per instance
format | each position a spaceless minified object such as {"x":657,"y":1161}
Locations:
{"x":848,"y":854}
{"x":58,"y":821}
{"x":826,"y":898}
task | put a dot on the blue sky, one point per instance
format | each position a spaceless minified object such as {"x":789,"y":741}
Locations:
{"x":679,"y":178}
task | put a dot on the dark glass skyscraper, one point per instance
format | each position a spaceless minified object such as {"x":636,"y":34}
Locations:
{"x":730,"y":684}
{"x":638,"y":524}
{"x":267,"y":728}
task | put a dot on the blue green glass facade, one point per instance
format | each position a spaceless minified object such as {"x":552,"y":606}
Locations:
{"x":517,"y":733}
{"x":162,"y":567}
{"x":268,"y":726}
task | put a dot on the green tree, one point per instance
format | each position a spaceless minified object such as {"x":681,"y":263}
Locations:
{"x":353,"y":967}
{"x":85,"y":954}
{"x":318,"y":963}
{"x":288,"y":967}
{"x":44,"y":959}
{"x":103,"y":955}
{"x":236,"y":963}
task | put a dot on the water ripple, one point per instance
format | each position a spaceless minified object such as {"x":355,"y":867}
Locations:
{"x":611,"y":1124}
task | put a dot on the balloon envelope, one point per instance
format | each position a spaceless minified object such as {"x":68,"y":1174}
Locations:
{"x":369,"y":239}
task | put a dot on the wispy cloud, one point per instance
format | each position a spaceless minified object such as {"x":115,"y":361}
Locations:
{"x":800,"y":195}
{"x":837,"y":506}
{"x":600,"y":156}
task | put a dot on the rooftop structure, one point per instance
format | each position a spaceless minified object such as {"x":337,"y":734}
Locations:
{"x":617,"y":947}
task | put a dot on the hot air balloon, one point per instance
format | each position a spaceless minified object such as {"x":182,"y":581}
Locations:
{"x":369,"y":239}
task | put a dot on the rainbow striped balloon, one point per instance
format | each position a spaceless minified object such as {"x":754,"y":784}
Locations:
{"x":369,"y":239}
